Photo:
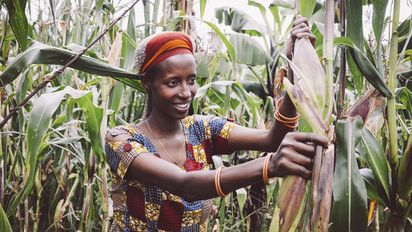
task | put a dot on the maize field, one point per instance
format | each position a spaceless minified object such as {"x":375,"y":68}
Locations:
{"x":353,"y":85}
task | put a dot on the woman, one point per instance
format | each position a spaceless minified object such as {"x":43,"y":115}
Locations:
{"x":161,"y":176}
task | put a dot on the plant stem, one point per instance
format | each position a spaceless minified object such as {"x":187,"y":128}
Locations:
{"x":328,"y":57}
{"x":392,"y":82}
{"x":342,"y":73}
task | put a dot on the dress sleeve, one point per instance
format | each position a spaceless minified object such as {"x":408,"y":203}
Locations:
{"x":121,"y":154}
{"x":220,"y":129}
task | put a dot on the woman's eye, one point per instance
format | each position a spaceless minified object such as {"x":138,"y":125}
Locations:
{"x":172,"y":83}
{"x":192,"y":81}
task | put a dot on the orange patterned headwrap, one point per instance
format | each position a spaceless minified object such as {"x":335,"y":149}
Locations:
{"x":159,"y":47}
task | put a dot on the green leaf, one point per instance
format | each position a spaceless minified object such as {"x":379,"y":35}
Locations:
{"x":4,"y":221}
{"x":377,"y":161}
{"x":378,"y":17}
{"x":307,"y":7}
{"x":283,"y":3}
{"x":238,"y":20}
{"x":230,"y":50}
{"x":354,"y":23}
{"x":116,"y":97}
{"x":94,"y":115}
{"x":40,"y":53}
{"x":365,"y":66}
{"x":249,"y":51}
{"x":21,"y":91}
{"x":404,"y":172}
{"x":18,"y":21}
{"x":405,"y":97}
{"x":349,"y":190}
{"x":274,"y":9}
{"x":354,"y":31}
{"x":129,"y":41}
{"x":241,"y":197}
{"x":404,"y":31}
{"x":357,"y":76}
{"x":202,"y":7}
{"x":373,"y":194}
{"x":38,"y":124}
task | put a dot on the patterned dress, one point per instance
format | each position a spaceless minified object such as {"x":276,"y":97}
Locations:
{"x":142,"y":207}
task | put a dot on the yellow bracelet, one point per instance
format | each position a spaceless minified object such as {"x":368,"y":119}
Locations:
{"x":217,"y":182}
{"x":265,"y":169}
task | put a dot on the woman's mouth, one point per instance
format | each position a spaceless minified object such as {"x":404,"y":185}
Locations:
{"x":182,"y":106}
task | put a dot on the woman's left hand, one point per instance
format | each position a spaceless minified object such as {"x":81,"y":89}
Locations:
{"x":300,"y":29}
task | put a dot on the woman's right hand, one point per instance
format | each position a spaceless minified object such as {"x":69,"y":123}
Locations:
{"x":295,"y":153}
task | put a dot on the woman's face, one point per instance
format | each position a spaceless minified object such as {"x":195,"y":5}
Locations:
{"x":173,"y":86}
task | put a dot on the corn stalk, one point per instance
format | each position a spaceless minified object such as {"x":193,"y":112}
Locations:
{"x":311,"y":94}
{"x":392,"y":82}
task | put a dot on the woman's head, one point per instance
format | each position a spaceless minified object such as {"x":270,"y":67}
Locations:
{"x":166,"y":64}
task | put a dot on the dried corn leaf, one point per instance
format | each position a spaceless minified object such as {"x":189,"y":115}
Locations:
{"x":308,"y":111}
{"x":309,"y":74}
{"x":322,"y":200}
{"x":366,"y":105}
{"x":291,"y":202}
{"x":308,"y":94}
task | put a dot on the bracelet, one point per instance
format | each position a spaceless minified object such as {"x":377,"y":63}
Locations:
{"x":290,"y":122}
{"x":217,"y":182}
{"x":265,"y":169}
{"x":286,"y":123}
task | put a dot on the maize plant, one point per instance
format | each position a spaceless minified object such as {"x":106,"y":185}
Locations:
{"x":311,"y":93}
{"x":308,"y":93}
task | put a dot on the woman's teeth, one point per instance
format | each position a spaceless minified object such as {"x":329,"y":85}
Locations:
{"x":183,"y":105}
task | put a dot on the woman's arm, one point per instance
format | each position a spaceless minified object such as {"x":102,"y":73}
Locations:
{"x":292,"y":158}
{"x":243,"y":138}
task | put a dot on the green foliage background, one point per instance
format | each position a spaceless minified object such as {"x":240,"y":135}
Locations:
{"x":53,"y":172}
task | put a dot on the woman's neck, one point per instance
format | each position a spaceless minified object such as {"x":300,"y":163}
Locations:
{"x":162,"y":125}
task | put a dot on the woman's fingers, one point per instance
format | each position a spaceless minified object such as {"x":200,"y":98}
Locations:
{"x":299,"y":170}
{"x":311,"y":138}
{"x":299,"y":158}
{"x":295,"y":153}
{"x":290,"y":163}
{"x":304,"y":149}
{"x":300,"y":19}
{"x":300,"y":29}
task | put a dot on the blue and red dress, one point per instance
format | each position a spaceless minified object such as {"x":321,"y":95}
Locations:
{"x":139,"y":206}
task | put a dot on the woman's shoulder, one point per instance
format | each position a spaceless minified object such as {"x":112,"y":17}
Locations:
{"x":202,"y":118}
{"x":205,"y":118}
{"x":196,"y":119}
{"x":121,"y":133}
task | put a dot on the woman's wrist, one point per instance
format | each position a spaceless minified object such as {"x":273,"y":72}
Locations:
{"x":271,"y":167}
{"x":286,"y":107}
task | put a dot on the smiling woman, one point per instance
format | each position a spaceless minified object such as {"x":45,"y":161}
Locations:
{"x":160,"y":167}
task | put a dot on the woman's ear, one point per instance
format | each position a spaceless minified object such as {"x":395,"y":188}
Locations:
{"x":146,"y":83}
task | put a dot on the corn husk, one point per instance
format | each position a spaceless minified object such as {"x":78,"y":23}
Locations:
{"x":322,"y":191}
{"x":309,"y":75}
{"x":366,"y":105}
{"x":309,"y":95}
{"x":293,"y":192}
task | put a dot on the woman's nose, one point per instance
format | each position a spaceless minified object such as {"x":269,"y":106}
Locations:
{"x":185,"y":91}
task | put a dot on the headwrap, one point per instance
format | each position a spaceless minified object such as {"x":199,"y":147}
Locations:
{"x":159,"y":47}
